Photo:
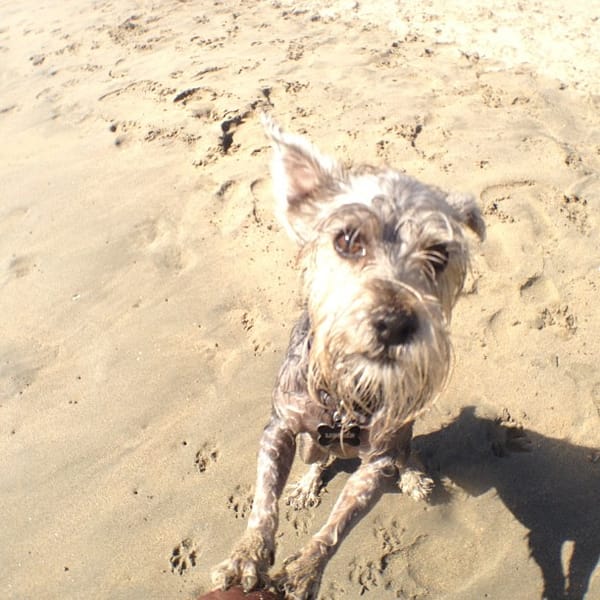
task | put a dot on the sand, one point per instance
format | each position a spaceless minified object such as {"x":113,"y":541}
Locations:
{"x":147,"y":291}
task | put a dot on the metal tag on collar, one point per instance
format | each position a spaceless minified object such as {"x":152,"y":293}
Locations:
{"x":336,"y":434}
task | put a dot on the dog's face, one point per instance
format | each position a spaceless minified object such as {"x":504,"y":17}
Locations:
{"x":384,"y":260}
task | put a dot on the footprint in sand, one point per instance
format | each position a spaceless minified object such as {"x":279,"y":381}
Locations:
{"x":295,"y":50}
{"x":499,"y":200}
{"x":382,"y":571}
{"x":333,"y":591}
{"x":560,"y":316}
{"x":239,"y":205}
{"x":159,"y":240}
{"x":21,"y":266}
{"x":575,"y":210}
{"x":258,"y":331}
{"x":149,"y":97}
{"x":539,"y":289}
{"x":240,"y":501}
{"x":519,"y":228}
{"x":294,"y":87}
{"x":183,"y":557}
{"x":300,"y":520}
{"x":206,"y":456}
{"x":229,"y":135}
{"x":128,"y":32}
{"x":233,"y":207}
{"x":199,"y":101}
{"x":262,"y":207}
{"x":389,"y":536}
{"x":366,"y":575}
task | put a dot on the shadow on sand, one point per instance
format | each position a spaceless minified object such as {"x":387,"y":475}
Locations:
{"x":551,"y":486}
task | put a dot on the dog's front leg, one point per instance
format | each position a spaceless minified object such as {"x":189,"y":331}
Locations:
{"x":252,"y":556}
{"x":302,"y":572}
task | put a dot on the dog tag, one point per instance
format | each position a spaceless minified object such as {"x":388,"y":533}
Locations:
{"x":332,"y":435}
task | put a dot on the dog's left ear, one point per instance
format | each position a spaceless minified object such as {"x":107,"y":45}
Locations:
{"x":468,"y":212}
{"x":303,"y":181}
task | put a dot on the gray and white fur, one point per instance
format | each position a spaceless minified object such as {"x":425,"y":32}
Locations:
{"x":384,"y":259}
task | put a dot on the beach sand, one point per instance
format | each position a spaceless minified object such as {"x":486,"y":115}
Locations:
{"x":148,"y":292}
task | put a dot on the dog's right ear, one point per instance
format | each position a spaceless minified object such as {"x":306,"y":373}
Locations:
{"x":304,"y":181}
{"x":468,"y":212}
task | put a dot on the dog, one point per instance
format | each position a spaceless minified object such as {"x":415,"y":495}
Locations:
{"x":384,"y":259}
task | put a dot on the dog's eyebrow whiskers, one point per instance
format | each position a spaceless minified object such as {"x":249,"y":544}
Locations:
{"x":416,"y":294}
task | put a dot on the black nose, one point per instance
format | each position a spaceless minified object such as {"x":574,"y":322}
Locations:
{"x":396,"y":327}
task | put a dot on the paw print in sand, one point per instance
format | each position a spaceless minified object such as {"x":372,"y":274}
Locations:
{"x":183,"y":557}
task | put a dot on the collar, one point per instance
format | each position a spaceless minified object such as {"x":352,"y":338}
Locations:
{"x":345,"y":428}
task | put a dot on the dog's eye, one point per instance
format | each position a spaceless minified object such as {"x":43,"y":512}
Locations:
{"x":437,"y":256}
{"x":350,"y":244}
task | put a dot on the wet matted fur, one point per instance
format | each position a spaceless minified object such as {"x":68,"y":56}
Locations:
{"x":384,"y":259}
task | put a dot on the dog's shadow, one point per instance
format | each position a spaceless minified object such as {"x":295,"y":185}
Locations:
{"x":553,"y":489}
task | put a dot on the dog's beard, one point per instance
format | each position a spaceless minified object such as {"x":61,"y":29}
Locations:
{"x":390,"y":387}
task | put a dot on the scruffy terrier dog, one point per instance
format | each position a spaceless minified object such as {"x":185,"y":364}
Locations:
{"x":384,"y":260}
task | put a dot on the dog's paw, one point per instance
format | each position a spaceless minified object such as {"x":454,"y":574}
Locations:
{"x":301,"y":575}
{"x":300,"y":497}
{"x":415,"y":484}
{"x":305,"y":493}
{"x":248,"y":564}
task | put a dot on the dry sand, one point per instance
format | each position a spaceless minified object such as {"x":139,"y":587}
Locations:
{"x":147,"y":292}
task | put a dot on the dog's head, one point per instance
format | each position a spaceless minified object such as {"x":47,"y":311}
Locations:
{"x":384,"y":261}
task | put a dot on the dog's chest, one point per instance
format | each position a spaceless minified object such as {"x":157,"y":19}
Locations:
{"x":333,"y":428}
